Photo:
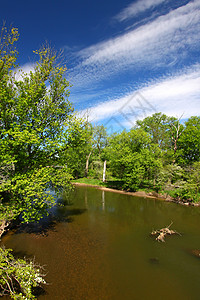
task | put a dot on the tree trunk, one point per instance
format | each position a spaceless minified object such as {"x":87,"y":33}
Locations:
{"x":87,"y":164}
{"x":104,"y":171}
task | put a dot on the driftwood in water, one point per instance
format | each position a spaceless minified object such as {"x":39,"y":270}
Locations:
{"x":3,"y":226}
{"x":163,"y":232}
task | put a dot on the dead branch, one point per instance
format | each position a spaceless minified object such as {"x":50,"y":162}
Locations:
{"x":3,"y":227}
{"x":161,"y":234}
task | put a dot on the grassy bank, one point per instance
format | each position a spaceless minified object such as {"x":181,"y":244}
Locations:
{"x":117,"y":185}
{"x":113,"y":184}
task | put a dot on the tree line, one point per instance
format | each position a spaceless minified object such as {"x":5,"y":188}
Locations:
{"x":159,"y":153}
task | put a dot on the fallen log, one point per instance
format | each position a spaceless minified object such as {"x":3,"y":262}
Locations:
{"x":161,"y":234}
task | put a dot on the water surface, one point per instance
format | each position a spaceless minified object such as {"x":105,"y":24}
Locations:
{"x":100,"y":248}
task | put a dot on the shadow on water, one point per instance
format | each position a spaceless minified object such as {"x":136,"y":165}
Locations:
{"x":38,"y":290}
{"x":107,"y":252}
{"x":63,"y":212}
{"x":59,"y":214}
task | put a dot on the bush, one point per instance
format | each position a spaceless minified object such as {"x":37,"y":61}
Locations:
{"x":187,"y":193}
{"x":96,"y":170}
{"x":18,"y":277}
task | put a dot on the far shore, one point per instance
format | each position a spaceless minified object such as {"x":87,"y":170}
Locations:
{"x":136,"y":194}
{"x":143,"y":194}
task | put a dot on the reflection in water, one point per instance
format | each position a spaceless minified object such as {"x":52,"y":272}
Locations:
{"x":86,"y":200}
{"x":100,"y":248}
{"x":103,"y":200}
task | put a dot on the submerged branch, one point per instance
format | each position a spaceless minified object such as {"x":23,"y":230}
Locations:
{"x":163,"y":232}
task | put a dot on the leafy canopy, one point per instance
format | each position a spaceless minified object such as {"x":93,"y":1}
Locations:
{"x":133,"y":157}
{"x":34,"y":113}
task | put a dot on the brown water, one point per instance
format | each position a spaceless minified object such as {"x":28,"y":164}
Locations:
{"x":100,"y":248}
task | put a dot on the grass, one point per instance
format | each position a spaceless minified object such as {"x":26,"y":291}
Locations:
{"x":114,"y":183}
{"x":89,"y":181}
{"x":118,"y":185}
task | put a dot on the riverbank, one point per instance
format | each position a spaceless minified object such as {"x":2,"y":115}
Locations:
{"x":136,"y":194}
{"x":143,"y":194}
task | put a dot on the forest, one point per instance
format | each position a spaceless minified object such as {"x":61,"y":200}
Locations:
{"x":45,"y":145}
{"x":160,"y":153}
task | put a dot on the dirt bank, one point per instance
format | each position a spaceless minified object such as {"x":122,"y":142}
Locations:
{"x":152,"y":195}
{"x":136,"y":194}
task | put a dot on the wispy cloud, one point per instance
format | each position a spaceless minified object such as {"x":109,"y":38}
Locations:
{"x":171,"y":96}
{"x":159,"y":43}
{"x":137,"y":7}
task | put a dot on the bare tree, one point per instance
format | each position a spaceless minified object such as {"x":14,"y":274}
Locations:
{"x":176,"y":133}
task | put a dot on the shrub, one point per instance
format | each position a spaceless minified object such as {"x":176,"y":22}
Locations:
{"x":18,"y":277}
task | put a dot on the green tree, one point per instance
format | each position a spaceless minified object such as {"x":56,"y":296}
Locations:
{"x":99,"y":138}
{"x":133,"y":158}
{"x":8,"y":51}
{"x":34,"y":114}
{"x":165,"y":132}
{"x":95,"y":141}
{"x":99,"y":141}
{"x":189,"y":142}
{"x":188,"y":189}
{"x":158,"y":126}
{"x":78,"y":136}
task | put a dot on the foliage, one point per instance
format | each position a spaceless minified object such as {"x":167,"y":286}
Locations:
{"x":159,"y":127}
{"x":186,"y":193}
{"x":96,"y":169}
{"x":8,"y":51}
{"x":34,"y":114}
{"x":194,"y":175}
{"x":183,"y":183}
{"x":95,"y":156}
{"x":85,"y":158}
{"x":91,"y":181}
{"x":133,"y":157}
{"x":170,"y":175}
{"x":86,"y":144}
{"x":189,"y":142}
{"x":78,"y":135}
{"x":18,"y":277}
{"x":191,"y":190}
{"x":157,"y":154}
{"x":99,"y":138}
{"x":113,"y":183}
{"x":37,"y":129}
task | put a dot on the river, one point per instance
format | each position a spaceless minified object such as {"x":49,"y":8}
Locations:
{"x":100,"y":247}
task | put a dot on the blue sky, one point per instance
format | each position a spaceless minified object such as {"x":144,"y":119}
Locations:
{"x":126,"y":59}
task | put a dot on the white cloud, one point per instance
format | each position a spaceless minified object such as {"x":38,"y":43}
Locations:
{"x":174,"y":96}
{"x":159,"y":43}
{"x":137,"y":7}
{"x":25,"y":69}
